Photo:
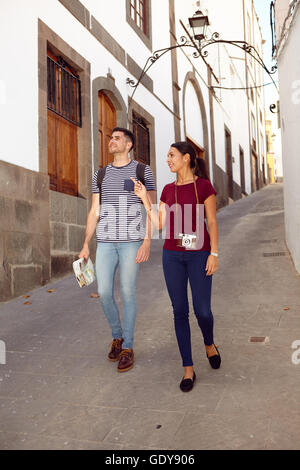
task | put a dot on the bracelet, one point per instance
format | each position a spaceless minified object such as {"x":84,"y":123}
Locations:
{"x":214,"y":254}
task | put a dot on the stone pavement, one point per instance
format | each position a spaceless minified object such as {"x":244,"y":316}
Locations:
{"x":58,"y":391}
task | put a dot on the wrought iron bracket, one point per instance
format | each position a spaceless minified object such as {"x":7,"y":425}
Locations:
{"x":274,"y":108}
{"x":199,"y":51}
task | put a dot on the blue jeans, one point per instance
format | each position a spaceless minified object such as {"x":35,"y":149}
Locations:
{"x":108,"y":257}
{"x":179,"y":267}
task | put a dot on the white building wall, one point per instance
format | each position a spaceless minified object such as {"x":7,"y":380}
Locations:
{"x":112,"y":16}
{"x":278,"y":167}
{"x":282,"y":9}
{"x":19,"y":78}
{"x":114,"y":21}
{"x":289,"y":73}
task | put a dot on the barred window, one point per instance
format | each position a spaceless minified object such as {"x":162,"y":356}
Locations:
{"x":142,"y":139}
{"x":64,"y":90}
{"x":63,"y":120}
{"x":138,"y":13}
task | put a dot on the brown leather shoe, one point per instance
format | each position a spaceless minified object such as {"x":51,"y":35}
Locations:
{"x":126,"y":361}
{"x":115,"y":350}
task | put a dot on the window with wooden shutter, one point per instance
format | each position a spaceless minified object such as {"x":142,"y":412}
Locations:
{"x":142,"y":139}
{"x":138,"y":13}
{"x":64,"y":118}
{"x":139,"y":17}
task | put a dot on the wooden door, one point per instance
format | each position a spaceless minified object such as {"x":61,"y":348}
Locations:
{"x":229,"y":163}
{"x":199,"y":150}
{"x":107,"y":120}
{"x":254,"y":172}
{"x":62,"y":155}
{"x":242,"y":170}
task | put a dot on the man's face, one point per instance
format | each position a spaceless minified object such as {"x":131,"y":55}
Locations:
{"x":119,"y":143}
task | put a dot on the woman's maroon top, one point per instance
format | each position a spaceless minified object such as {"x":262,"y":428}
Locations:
{"x":186,"y":195}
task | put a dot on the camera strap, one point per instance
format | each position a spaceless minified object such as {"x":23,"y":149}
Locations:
{"x":176,"y":202}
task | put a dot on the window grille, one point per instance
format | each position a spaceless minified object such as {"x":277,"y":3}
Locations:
{"x":142,"y":139}
{"x":64,"y":91}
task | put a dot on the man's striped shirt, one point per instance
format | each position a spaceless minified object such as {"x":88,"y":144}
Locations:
{"x":122,"y":216}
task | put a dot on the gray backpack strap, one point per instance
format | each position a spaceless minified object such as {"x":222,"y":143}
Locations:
{"x":100,"y":178}
{"x":140,"y":172}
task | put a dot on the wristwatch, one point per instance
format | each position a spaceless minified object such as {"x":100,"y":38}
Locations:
{"x":214,"y":254}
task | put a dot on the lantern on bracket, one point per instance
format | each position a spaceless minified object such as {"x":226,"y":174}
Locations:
{"x":199,"y":23}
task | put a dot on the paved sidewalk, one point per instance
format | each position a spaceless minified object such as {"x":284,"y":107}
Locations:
{"x":58,"y":391}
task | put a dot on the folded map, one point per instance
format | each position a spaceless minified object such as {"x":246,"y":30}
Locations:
{"x":84,"y":272}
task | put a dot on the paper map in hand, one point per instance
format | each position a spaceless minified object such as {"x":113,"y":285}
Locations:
{"x":84,"y":272}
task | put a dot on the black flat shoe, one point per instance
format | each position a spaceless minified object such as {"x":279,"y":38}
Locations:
{"x":186,"y":385}
{"x":215,"y":361}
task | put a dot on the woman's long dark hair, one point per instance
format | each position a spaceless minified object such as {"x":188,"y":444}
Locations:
{"x":198,"y":164}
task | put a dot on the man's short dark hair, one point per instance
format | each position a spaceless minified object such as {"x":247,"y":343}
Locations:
{"x":128,"y":134}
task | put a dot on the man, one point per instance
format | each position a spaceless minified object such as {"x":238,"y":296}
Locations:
{"x":122,"y":239}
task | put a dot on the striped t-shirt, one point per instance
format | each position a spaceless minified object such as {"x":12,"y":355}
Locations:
{"x":122,"y":216}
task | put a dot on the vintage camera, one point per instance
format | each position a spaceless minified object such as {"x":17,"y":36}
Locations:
{"x":187,"y":241}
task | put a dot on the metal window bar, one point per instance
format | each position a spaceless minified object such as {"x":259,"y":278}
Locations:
{"x":142,"y":136}
{"x":64,"y":92}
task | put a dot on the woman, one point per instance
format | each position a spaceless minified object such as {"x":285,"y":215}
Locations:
{"x":180,"y":262}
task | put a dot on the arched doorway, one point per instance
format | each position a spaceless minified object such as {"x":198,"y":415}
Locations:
{"x":195,"y":120}
{"x":107,"y":120}
{"x":109,"y":111}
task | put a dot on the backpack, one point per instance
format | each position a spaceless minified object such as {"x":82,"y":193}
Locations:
{"x":140,"y":175}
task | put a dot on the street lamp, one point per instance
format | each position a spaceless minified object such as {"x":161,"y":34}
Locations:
{"x":199,"y":23}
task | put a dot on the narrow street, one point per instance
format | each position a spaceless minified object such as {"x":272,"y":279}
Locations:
{"x":58,"y":390}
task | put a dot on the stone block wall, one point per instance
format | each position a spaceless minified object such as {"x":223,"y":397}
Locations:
{"x":25,"y":230}
{"x":41,"y":231}
{"x":68,"y":216}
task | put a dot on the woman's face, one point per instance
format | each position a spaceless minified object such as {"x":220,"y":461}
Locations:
{"x":176,"y":160}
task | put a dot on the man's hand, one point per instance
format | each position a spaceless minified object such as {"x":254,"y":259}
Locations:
{"x":85,"y":252}
{"x":143,"y":252}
